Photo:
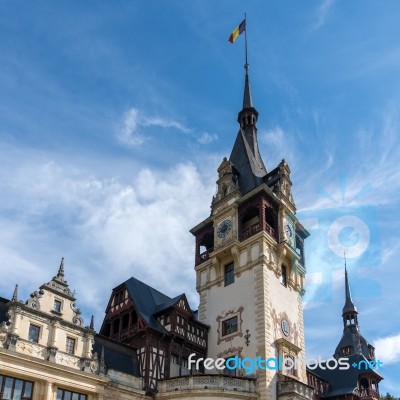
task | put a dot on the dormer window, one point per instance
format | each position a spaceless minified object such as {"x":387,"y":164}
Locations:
{"x":346,"y":351}
{"x":57,"y":306}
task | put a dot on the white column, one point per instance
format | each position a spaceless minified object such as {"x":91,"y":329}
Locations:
{"x":49,"y":393}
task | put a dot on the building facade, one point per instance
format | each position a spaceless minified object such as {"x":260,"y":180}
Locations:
{"x":250,"y":275}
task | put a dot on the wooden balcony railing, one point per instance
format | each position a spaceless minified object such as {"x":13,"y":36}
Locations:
{"x":366,"y":394}
{"x":252,"y":230}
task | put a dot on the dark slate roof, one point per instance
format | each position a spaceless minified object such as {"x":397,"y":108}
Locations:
{"x":349,"y":306}
{"x":249,"y":165}
{"x":342,"y":381}
{"x":117,"y":356}
{"x":353,"y":337}
{"x":168,"y":304}
{"x":149,"y":301}
{"x":247,"y":99}
{"x":3,"y":309}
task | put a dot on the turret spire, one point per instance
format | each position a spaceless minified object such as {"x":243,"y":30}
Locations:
{"x":349,"y":310}
{"x":247,"y":99}
{"x":15,"y":294}
{"x":60,"y":274}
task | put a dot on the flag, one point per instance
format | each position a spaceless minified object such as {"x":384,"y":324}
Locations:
{"x":237,"y":31}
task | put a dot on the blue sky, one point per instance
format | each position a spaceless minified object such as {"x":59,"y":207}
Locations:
{"x":114,"y":117}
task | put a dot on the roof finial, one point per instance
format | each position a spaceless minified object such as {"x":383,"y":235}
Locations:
{"x":92,"y":323}
{"x":15,"y":294}
{"x":61,"y":269}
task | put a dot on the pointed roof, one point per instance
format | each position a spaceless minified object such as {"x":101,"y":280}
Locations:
{"x":249,"y":165}
{"x":15,"y":294}
{"x":247,"y":99}
{"x":59,"y":283}
{"x":149,"y":301}
{"x":349,"y":306}
{"x":245,"y":155}
{"x":343,"y":381}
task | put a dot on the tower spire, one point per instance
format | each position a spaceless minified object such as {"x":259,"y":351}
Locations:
{"x":349,"y":310}
{"x":60,"y":274}
{"x":247,"y":99}
{"x":15,"y":294}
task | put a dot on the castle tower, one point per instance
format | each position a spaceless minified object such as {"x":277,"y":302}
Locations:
{"x":361,"y":379}
{"x":249,"y":261}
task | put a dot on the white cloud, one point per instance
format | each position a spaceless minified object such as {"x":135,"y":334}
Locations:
{"x":278,"y":146}
{"x":134,"y":122}
{"x":107,"y":229}
{"x":322,"y":13}
{"x":388,"y":349}
{"x":206,"y":138}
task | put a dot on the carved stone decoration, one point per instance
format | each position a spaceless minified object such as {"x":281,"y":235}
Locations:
{"x":283,"y":327}
{"x":230,"y":314}
{"x":232,"y":351}
{"x":227,"y":181}
{"x":86,"y":364}
{"x":34,"y":301}
{"x":3,"y":338}
{"x":51,"y":353}
{"x":12,"y":341}
{"x":77,"y":319}
{"x":94,"y":364}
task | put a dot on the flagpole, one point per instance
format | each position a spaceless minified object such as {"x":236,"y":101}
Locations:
{"x":246,"y":66}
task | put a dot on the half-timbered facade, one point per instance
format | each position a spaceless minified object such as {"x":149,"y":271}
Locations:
{"x":164,"y":330}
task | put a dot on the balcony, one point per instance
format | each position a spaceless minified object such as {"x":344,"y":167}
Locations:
{"x":205,"y":255}
{"x":210,"y":382}
{"x":366,"y":394}
{"x":294,"y":389}
{"x":252,"y":230}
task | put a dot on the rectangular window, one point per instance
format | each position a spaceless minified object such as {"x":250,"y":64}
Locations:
{"x":229,"y":371}
{"x":70,"y":346}
{"x":15,"y":389}
{"x":68,"y":395}
{"x":174,"y":358}
{"x":229,"y":326}
{"x":284,"y":276}
{"x":33,"y":335}
{"x":57,"y":305}
{"x":229,"y":274}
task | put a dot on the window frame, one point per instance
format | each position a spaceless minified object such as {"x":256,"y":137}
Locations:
{"x":229,"y":273}
{"x":68,"y":342}
{"x":33,"y":327}
{"x":26,"y":393}
{"x":227,"y":329}
{"x":57,"y":309}
{"x":61,"y":394}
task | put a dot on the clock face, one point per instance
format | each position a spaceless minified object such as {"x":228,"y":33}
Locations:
{"x":223,"y":228}
{"x":289,"y":231}
{"x":285,"y":326}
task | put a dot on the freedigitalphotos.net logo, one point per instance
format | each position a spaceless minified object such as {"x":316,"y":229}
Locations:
{"x":348,"y":227}
{"x":250,"y":365}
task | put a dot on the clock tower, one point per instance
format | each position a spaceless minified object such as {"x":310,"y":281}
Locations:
{"x":250,"y":263}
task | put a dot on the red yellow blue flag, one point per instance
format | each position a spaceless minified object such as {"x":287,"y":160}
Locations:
{"x":237,"y":31}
